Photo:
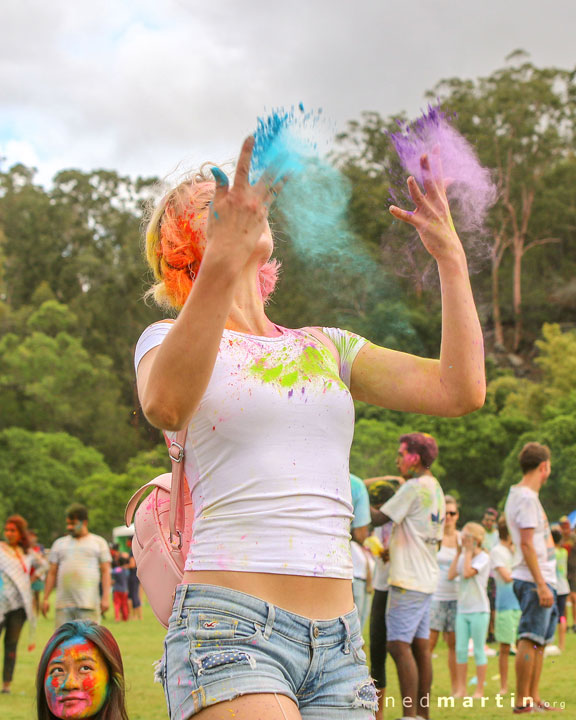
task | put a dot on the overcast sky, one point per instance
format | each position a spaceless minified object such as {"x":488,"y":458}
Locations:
{"x":141,"y":85}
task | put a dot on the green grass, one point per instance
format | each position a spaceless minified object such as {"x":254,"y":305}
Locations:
{"x":141,"y":645}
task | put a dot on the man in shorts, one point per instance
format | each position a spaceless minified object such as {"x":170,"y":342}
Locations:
{"x":534,"y":574}
{"x":418,"y":513}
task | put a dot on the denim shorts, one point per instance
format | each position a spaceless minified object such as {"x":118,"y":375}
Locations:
{"x":407,"y":615}
{"x":443,"y":615}
{"x":537,"y":623}
{"x":223,"y":643}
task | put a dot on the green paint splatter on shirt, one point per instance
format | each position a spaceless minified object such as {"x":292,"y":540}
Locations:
{"x":312,"y":364}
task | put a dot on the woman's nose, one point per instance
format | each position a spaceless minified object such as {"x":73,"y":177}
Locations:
{"x":71,"y":681}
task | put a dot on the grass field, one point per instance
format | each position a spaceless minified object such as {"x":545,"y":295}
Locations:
{"x":141,"y":645}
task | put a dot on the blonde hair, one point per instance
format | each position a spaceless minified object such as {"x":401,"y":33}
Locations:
{"x":175,"y":241}
{"x":475,"y":530}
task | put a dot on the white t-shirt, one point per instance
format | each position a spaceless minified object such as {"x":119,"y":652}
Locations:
{"x":418,"y":510}
{"x":446,"y":589}
{"x":267,"y":454}
{"x":524,"y":510}
{"x":472,"y":595}
{"x":78,"y":578}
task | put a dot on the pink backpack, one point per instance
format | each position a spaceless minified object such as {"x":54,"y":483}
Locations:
{"x":163,"y":529}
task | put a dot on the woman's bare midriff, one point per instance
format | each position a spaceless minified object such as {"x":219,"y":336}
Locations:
{"x":316,"y":598}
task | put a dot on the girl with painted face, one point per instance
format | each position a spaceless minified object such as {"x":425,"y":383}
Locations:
{"x":264,"y":622}
{"x":16,"y":603}
{"x":81,"y":675}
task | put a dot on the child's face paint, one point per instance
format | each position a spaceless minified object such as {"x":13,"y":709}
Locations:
{"x":77,"y":680}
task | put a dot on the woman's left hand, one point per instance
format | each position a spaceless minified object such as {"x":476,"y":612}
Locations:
{"x":431,"y":218}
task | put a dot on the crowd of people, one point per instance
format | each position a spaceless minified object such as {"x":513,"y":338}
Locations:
{"x":431,"y":578}
{"x":268,"y":619}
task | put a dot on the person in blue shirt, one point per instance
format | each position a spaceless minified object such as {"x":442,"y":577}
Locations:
{"x":360,"y":558}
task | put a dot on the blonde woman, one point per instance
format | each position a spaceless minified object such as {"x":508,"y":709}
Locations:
{"x":472,"y":565}
{"x":264,"y":624}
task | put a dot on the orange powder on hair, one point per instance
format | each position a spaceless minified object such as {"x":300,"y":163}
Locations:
{"x":180,"y":250}
{"x":176,"y":240}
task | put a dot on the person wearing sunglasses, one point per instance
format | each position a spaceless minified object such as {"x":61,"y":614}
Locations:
{"x":445,"y":599}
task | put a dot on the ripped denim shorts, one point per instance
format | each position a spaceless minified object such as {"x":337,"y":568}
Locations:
{"x":222,"y":643}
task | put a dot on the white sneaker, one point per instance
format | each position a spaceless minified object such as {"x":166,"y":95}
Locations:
{"x":552,"y":650}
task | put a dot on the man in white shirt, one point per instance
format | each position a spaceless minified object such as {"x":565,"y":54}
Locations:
{"x":79,"y":561}
{"x":418,"y":513}
{"x":533,"y":572}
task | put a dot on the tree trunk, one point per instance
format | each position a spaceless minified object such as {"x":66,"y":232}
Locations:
{"x":496,"y":314}
{"x":517,"y":291}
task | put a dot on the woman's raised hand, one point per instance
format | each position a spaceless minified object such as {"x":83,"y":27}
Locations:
{"x":239,"y":213}
{"x":431,"y":218}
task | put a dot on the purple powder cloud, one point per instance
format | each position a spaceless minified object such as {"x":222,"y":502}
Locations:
{"x":472,"y":191}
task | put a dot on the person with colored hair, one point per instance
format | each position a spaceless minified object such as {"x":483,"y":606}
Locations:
{"x":264,"y":622}
{"x":507,"y":607}
{"x":16,"y":603}
{"x":472,"y":566}
{"x":79,"y":563}
{"x":418,"y":513}
{"x":445,"y":598}
{"x":81,"y":675}
{"x":534,"y":574}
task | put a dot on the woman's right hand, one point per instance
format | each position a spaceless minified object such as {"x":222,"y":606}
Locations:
{"x":238,"y":214}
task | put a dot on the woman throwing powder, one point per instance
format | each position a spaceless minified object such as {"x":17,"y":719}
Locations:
{"x":264,"y":625}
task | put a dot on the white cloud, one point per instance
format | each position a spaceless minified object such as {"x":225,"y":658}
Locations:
{"x":138,"y":85}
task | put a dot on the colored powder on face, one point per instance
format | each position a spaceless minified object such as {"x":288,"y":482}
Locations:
{"x":471,"y":191}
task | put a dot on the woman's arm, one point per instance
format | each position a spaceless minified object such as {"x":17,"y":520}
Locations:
{"x":467,"y":570}
{"x":453,"y":569}
{"x":173,"y":377}
{"x":455,"y":384}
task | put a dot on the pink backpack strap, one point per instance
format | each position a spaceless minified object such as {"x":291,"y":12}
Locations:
{"x":178,"y":489}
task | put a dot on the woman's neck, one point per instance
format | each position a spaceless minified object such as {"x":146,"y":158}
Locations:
{"x":247,"y":312}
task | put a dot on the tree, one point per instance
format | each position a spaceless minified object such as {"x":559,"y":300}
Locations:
{"x":522,"y":120}
{"x":41,"y":474}
{"x":49,"y":382}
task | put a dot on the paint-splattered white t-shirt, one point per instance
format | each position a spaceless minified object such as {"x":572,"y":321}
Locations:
{"x":418,"y":511}
{"x":267,"y":455}
{"x":79,"y":560}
